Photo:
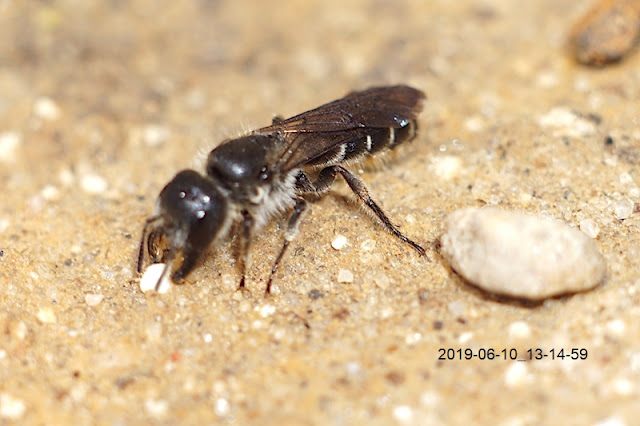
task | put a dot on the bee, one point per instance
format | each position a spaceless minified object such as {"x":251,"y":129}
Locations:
{"x":273,"y":170}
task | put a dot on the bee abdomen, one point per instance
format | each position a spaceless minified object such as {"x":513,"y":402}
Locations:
{"x":372,"y":141}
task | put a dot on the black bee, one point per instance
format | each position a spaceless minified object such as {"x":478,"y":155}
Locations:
{"x":271,"y":170}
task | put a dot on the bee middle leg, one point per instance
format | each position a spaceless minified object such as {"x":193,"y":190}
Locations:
{"x":327,"y":177}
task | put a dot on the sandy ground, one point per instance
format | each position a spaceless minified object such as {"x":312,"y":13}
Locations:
{"x":101,"y":103}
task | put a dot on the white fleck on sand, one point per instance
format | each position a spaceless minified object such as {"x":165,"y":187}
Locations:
{"x":345,"y":276}
{"x":151,"y":276}
{"x":92,"y":299}
{"x":11,"y":407}
{"x":9,"y":143}
{"x":46,"y":316}
{"x":94,"y":184}
{"x":46,"y":109}
{"x":339,"y":242}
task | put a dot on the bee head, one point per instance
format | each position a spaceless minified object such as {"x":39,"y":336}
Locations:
{"x":190,"y":213}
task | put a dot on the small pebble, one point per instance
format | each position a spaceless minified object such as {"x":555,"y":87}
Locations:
{"x":156,"y":408}
{"x":623,"y":208}
{"x":151,"y":276}
{"x":339,"y":242}
{"x":93,"y":184}
{"x":93,"y":299}
{"x":222,"y":407}
{"x":46,"y":109}
{"x":520,"y":255}
{"x":345,"y":276}
{"x":606,"y":33}
{"x":516,"y":375}
{"x":9,"y":142}
{"x":155,"y":135}
{"x":46,"y":316}
{"x":590,"y":228}
{"x":567,"y":123}
{"x":403,"y":413}
{"x":519,"y":330}
{"x":10,"y":407}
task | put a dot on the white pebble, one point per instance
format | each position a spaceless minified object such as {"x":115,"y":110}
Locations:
{"x":10,"y":407}
{"x":46,"y":316}
{"x":222,"y":407}
{"x":93,"y":299}
{"x":446,"y":167}
{"x":156,"y":408}
{"x":339,"y":242}
{"x":266,"y":310}
{"x":46,"y":109}
{"x":9,"y":142}
{"x":49,"y":192}
{"x":590,"y":228}
{"x":611,"y":421}
{"x":403,"y":413}
{"x":623,"y":387}
{"x":155,"y":135}
{"x":519,"y":330}
{"x":345,"y":276}
{"x":520,"y":255}
{"x":93,"y":184}
{"x":567,"y":122}
{"x":516,"y":375}
{"x":152,"y":275}
{"x":623,"y":208}
{"x":616,"y":327}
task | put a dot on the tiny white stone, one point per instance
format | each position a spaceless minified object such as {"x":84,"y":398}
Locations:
{"x":155,"y":135}
{"x":152,"y":275}
{"x":446,"y":167}
{"x":465,"y":337}
{"x":208,"y":338}
{"x":93,"y":184}
{"x":520,"y":255}
{"x":266,"y":310}
{"x":623,"y":386}
{"x":10,"y":407}
{"x":403,"y":413}
{"x":46,"y":316}
{"x":616,"y":327}
{"x":155,"y":407}
{"x":93,"y":299}
{"x":49,"y":192}
{"x":590,"y":228}
{"x":222,"y":407}
{"x":339,"y":242}
{"x":611,"y":421}
{"x":46,"y":109}
{"x":516,"y":375}
{"x":413,"y":338}
{"x":475,"y":124}
{"x":567,"y":122}
{"x":623,"y":208}
{"x":345,"y":276}
{"x":9,"y":142}
{"x":519,"y":330}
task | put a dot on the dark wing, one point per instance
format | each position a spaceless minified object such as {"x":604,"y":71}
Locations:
{"x":313,"y":133}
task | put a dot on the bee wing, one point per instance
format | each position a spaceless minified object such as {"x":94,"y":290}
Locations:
{"x":313,"y":133}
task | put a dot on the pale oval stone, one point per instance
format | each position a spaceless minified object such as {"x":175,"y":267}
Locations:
{"x":520,"y":255}
{"x":150,"y":278}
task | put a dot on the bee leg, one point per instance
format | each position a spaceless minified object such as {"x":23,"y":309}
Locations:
{"x":245,"y":245}
{"x":290,"y":234}
{"x":328,"y":175}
